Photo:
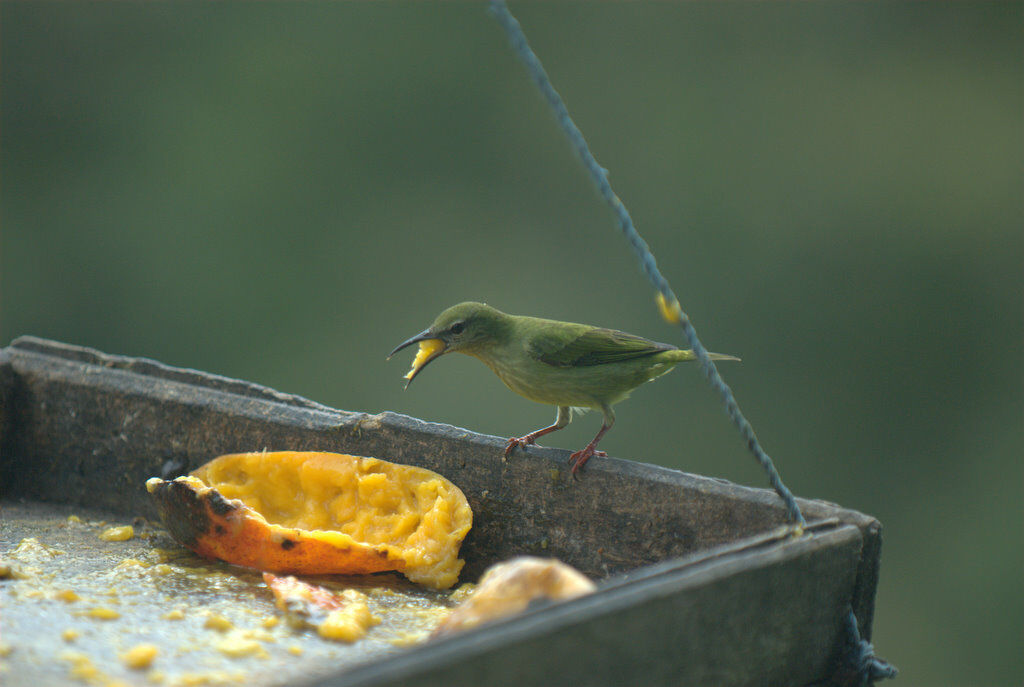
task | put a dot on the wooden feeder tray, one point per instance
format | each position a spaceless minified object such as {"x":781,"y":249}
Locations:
{"x":699,"y":582}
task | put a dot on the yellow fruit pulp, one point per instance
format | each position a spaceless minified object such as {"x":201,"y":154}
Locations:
{"x":418,"y":514}
{"x":428,"y":350}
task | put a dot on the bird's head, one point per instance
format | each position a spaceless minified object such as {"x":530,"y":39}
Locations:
{"x":464,"y":328}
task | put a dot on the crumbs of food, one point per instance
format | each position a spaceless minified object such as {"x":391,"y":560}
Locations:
{"x":462,"y":592}
{"x":123,"y":533}
{"x":101,"y":613}
{"x":238,"y":646}
{"x":351,"y":622}
{"x":404,"y":639}
{"x":12,"y":571}
{"x":217,"y":622}
{"x":176,"y":614}
{"x":340,"y":616}
{"x":128,"y":590}
{"x":82,"y":667}
{"x":213,"y":677}
{"x":31,"y":550}
{"x":131,"y":563}
{"x":140,"y":656}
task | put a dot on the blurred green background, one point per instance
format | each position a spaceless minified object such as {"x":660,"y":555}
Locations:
{"x":281,"y":192}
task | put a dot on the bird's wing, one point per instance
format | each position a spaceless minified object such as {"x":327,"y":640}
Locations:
{"x":592,"y":346}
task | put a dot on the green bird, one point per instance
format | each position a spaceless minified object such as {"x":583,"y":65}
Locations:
{"x":573,"y":366}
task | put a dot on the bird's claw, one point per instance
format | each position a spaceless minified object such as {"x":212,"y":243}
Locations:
{"x":577,"y":460}
{"x":521,"y":442}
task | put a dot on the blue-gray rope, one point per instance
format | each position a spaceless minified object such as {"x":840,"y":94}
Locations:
{"x":643,"y":252}
{"x":859,"y":665}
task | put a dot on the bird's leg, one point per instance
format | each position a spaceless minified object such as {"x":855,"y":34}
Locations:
{"x":561,"y":420}
{"x":578,"y":459}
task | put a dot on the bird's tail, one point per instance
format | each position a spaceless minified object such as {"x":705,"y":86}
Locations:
{"x":683,"y":356}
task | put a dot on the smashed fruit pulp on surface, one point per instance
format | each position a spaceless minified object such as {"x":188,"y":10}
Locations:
{"x":319,"y":513}
{"x":340,"y":616}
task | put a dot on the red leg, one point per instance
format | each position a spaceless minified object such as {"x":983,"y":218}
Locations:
{"x":579,"y":459}
{"x":531,"y":438}
{"x":522,"y":442}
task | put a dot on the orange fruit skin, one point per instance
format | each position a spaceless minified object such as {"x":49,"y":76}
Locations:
{"x":203,"y":520}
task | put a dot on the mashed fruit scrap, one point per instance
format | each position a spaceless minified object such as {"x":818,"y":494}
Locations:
{"x":509,"y":587}
{"x":319,"y":513}
{"x":118,"y":533}
{"x":343,"y":616}
{"x":140,"y":656}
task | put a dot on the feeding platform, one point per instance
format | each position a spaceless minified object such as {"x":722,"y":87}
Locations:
{"x":699,"y":580}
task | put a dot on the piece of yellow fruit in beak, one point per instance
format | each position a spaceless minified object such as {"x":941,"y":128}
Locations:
{"x":429,"y":349}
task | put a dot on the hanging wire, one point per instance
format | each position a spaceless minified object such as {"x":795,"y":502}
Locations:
{"x":667,"y":301}
{"x":859,"y":665}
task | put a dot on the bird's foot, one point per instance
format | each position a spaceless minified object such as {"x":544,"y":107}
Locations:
{"x":521,"y":442}
{"x":578,"y":459}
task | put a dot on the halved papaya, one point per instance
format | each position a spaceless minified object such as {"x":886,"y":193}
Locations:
{"x":319,"y":513}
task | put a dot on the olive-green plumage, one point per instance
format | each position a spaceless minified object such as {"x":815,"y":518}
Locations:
{"x":560,"y":363}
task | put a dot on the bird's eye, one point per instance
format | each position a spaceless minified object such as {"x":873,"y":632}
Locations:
{"x":458,"y":327}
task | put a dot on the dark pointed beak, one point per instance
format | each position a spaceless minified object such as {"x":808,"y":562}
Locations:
{"x":424,"y":355}
{"x":422,"y":336}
